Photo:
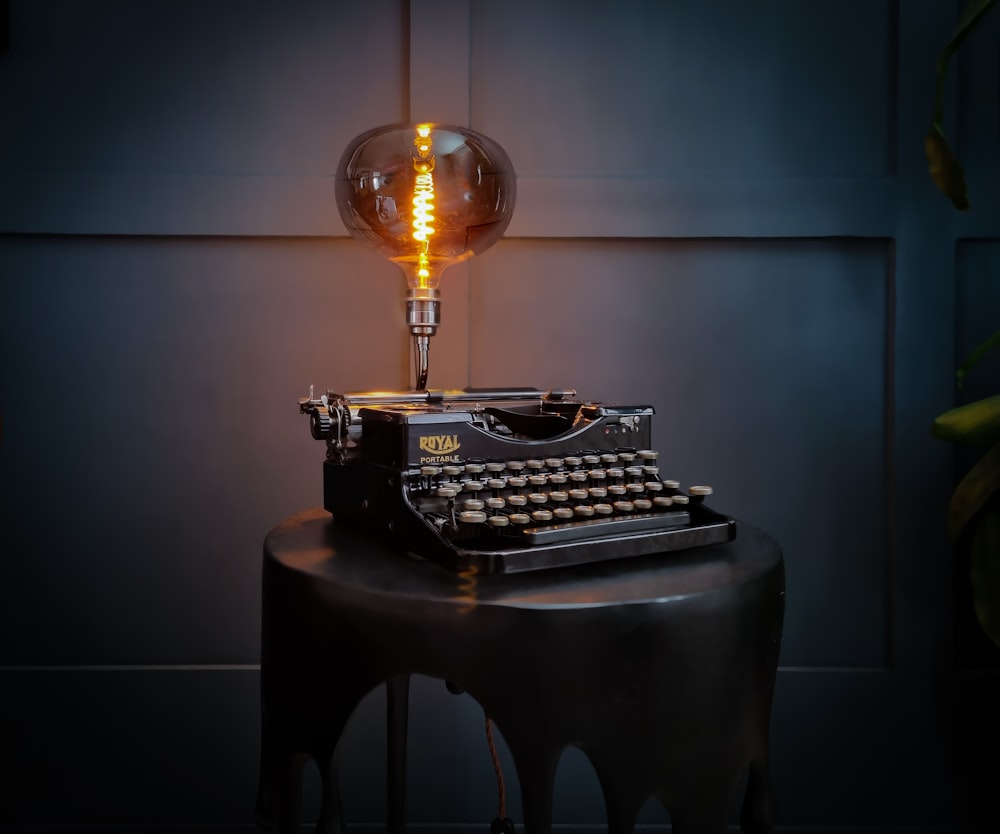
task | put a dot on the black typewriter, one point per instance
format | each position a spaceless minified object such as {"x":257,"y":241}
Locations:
{"x":505,"y":480}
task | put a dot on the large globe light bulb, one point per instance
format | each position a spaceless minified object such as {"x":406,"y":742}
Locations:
{"x":425,"y":196}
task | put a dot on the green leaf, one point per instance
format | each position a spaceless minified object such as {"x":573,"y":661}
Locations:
{"x":946,"y":170}
{"x":944,"y":166}
{"x":975,"y":356}
{"x":974,"y":491}
{"x":985,"y":571}
{"x":976,"y":423}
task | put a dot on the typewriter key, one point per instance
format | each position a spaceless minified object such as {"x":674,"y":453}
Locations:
{"x":653,"y":486}
{"x":672,"y":484}
{"x":498,"y":521}
{"x":680,"y":499}
{"x":573,"y":462}
{"x":541,"y":515}
{"x":617,"y":489}
{"x":597,"y":492}
{"x":624,"y":506}
{"x":535,"y":464}
{"x":648,"y":454}
{"x":609,"y":459}
{"x":472,"y":517}
{"x":538,"y":498}
{"x":495,"y":503}
{"x":519,"y":518}
{"x":603,"y":509}
{"x":517,"y":500}
{"x":475,"y":468}
{"x":578,"y":494}
{"x":496,"y":467}
{"x":583,"y":510}
{"x":635,"y":488}
{"x":554,"y":463}
{"x":700,"y":491}
{"x":663,"y":501}
{"x":643,"y":504}
{"x":452,"y":471}
{"x":473,"y":486}
{"x":558,"y":495}
{"x":515,"y":465}
{"x":473,"y":504}
{"x":430,"y":471}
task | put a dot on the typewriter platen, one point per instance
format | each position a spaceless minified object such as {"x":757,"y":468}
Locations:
{"x":502,"y":481}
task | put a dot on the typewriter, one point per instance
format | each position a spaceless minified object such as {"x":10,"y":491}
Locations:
{"x":505,"y":480}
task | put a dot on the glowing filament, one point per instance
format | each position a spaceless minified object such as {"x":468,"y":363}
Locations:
{"x":423,"y":207}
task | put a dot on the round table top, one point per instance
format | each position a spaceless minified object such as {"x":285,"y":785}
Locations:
{"x":311,"y":543}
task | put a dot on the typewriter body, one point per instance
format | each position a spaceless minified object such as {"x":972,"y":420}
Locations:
{"x":505,"y":480}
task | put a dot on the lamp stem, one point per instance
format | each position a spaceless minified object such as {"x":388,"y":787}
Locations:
{"x":421,"y":357}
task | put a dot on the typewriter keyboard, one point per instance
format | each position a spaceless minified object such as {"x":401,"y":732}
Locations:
{"x":551,"y":500}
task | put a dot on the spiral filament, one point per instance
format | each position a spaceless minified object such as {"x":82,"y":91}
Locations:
{"x":423,"y":199}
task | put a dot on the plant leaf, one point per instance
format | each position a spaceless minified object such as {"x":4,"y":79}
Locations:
{"x":974,"y":491}
{"x":944,"y":166}
{"x":985,"y":571}
{"x":976,"y":423}
{"x":975,"y":356}
{"x":945,"y":169}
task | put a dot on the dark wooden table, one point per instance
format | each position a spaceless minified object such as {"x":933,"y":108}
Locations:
{"x":661,"y":669}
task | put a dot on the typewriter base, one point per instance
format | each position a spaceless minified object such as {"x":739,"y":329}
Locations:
{"x":660,"y":670}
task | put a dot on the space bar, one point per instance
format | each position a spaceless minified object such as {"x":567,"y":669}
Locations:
{"x":592,"y":528}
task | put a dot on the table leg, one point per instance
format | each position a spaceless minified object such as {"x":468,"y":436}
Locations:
{"x":397,"y":709}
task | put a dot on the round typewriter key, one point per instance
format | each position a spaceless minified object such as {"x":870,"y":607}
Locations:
{"x":597,"y":492}
{"x":591,"y":460}
{"x":663,"y":501}
{"x":603,"y":509}
{"x":430,"y":471}
{"x":578,"y":494}
{"x":609,"y":458}
{"x":496,"y":483}
{"x":447,"y":492}
{"x":472,"y":517}
{"x":537,"y":480}
{"x":573,"y":461}
{"x":634,"y":471}
{"x":563,"y":512}
{"x":598,"y":474}
{"x":495,"y":467}
{"x":583,"y":510}
{"x":517,"y":500}
{"x":642,"y":504}
{"x":578,"y":476}
{"x":680,"y":499}
{"x":473,"y":486}
{"x":651,"y":470}
{"x":700,"y":491}
{"x":617,"y":489}
{"x":554,"y":463}
{"x":624,"y":506}
{"x":616,"y":472}
{"x":473,"y":504}
{"x":558,"y":478}
{"x":455,"y":485}
{"x":498,"y":521}
{"x":636,"y":487}
{"x":495,"y":503}
{"x":516,"y":481}
{"x":519,"y":518}
{"x":475,"y":468}
{"x":653,"y":486}
{"x":541,"y":515}
{"x":672,"y":484}
{"x":538,"y":498}
{"x":648,"y":454}
{"x":558,"y":495}
{"x":452,"y":471}
{"x":515,"y":465}
{"x":535,"y":464}
{"x":626,"y":455}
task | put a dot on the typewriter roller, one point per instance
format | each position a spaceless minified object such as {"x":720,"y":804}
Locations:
{"x":506,"y":480}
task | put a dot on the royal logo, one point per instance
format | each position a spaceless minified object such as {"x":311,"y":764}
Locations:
{"x":439,"y":444}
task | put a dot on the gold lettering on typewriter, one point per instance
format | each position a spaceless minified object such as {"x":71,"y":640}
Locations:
{"x":439,"y":444}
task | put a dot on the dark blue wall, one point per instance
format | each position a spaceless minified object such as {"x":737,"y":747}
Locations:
{"x":723,"y":211}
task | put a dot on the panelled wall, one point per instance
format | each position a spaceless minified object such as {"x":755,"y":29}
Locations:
{"x":723,"y":211}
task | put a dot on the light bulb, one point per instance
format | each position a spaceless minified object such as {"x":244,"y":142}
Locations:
{"x":425,"y":196}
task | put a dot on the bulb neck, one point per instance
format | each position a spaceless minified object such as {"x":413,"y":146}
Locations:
{"x":423,"y":311}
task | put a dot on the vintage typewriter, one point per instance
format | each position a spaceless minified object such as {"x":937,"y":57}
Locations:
{"x":502,"y":481}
